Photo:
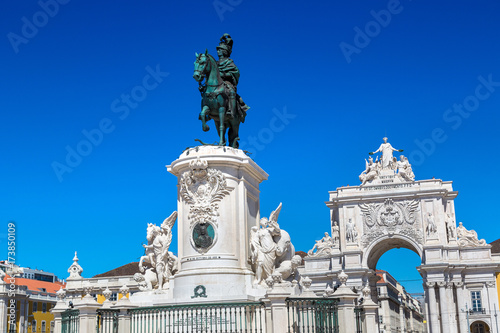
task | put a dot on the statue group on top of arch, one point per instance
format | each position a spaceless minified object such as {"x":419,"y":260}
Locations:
{"x":271,"y":251}
{"x":387,"y":165}
{"x":160,"y":262}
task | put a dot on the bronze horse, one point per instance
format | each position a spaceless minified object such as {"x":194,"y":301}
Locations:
{"x":214,"y":102}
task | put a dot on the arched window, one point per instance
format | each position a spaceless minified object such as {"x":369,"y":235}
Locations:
{"x":479,"y":327}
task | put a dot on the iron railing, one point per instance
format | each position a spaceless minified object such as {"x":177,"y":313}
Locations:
{"x":211,"y":317}
{"x":107,"y":321}
{"x":70,"y":321}
{"x":358,"y":311}
{"x":312,"y":315}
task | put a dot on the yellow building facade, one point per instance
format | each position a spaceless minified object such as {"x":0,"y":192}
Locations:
{"x":33,"y":301}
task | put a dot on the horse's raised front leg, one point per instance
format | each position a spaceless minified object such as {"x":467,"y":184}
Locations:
{"x":141,"y":267}
{"x":203,"y":118}
{"x":222,"y":130}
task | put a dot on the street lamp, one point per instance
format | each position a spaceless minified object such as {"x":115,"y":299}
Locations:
{"x":467,"y":314}
{"x":496,"y":319}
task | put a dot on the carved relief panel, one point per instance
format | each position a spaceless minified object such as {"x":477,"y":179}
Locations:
{"x":390,"y":218}
{"x":203,"y":188}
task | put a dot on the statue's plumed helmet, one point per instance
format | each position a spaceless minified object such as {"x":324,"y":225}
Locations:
{"x":226,"y":44}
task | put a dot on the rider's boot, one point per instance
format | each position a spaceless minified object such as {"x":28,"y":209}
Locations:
{"x":232,"y":105}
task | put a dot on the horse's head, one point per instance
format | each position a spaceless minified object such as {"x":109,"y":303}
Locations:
{"x":201,"y":66}
{"x":152,"y":231}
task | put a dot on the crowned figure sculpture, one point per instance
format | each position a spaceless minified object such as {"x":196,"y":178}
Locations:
{"x":218,"y":81}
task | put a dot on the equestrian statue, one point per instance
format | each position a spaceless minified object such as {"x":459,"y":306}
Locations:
{"x":218,"y":81}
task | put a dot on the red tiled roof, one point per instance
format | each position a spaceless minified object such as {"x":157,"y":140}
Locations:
{"x":35,"y":285}
{"x":495,"y":246}
{"x":380,"y":274}
{"x":127,"y":269}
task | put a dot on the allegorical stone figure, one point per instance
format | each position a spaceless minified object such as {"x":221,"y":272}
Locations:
{"x":404,"y":168}
{"x":288,"y":268}
{"x":386,"y":149}
{"x":351,"y":234}
{"x":323,"y":245}
{"x":157,"y":255}
{"x":450,"y":227}
{"x":468,"y":237}
{"x":270,"y":247}
{"x":263,"y":247}
{"x":431,"y":225}
{"x":371,"y":171}
{"x":336,"y":233}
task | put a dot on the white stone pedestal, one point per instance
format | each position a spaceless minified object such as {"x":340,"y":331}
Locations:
{"x":217,"y":186}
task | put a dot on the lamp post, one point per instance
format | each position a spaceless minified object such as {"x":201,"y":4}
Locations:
{"x":496,"y":319}
{"x":467,"y":316}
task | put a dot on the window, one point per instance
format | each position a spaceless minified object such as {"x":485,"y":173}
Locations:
{"x":114,"y":297}
{"x":33,"y":326}
{"x":476,"y":301}
{"x":44,"y":307}
{"x":43,"y":327}
{"x":35,"y":306}
{"x":51,"y":327}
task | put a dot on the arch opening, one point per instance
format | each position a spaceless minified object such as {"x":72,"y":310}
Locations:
{"x":379,"y":248}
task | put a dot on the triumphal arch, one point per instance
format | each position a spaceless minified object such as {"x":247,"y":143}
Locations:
{"x":390,"y":209}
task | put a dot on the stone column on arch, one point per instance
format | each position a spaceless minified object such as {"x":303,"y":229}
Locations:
{"x":452,"y":308}
{"x":461,"y":300}
{"x":443,"y":302}
{"x":412,"y":327}
{"x":492,"y":303}
{"x":433,"y":310}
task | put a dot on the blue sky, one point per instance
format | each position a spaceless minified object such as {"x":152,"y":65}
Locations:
{"x":405,"y":75}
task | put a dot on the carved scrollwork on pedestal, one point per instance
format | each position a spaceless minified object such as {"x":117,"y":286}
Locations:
{"x":202,"y":188}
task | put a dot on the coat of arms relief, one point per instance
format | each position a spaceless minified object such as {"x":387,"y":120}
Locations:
{"x":391,"y":218}
{"x":202,"y":188}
